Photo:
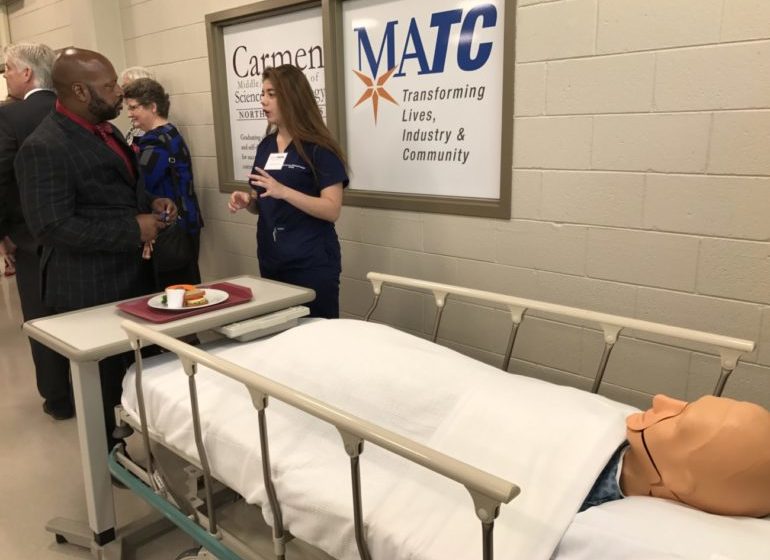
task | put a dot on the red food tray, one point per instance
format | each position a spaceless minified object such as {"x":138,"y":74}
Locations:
{"x":139,"y":308}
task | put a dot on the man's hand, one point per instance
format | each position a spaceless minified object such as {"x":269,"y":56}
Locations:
{"x":165,"y":209}
{"x":8,"y":254}
{"x":149,"y":226}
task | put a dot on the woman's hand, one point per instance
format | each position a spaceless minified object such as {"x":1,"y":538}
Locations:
{"x":326,"y":206}
{"x":273,"y":188}
{"x":238,"y":201}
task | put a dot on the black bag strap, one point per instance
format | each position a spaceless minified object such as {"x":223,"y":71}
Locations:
{"x":180,"y":201}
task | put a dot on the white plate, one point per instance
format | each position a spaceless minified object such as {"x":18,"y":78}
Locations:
{"x":213,"y":296}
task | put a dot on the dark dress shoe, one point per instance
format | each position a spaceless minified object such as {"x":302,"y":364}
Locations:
{"x":59,"y":410}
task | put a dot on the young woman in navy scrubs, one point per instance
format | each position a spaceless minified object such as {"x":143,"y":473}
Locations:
{"x":298,"y":175}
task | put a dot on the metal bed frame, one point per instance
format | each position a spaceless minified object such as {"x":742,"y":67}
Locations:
{"x":730,"y":349}
{"x":488,"y":492}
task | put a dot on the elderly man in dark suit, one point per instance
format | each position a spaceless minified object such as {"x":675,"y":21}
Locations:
{"x":28,"y":76}
{"x":81,"y":198}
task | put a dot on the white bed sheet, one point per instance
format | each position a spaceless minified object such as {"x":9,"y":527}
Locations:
{"x":551,"y":440}
{"x":642,"y":528}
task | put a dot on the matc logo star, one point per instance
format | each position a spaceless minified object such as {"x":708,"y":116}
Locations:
{"x":375,"y":92}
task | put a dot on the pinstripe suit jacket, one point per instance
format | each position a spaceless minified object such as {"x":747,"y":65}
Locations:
{"x":80,"y":201}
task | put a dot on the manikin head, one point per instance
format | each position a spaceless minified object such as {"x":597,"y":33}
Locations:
{"x":712,"y":454}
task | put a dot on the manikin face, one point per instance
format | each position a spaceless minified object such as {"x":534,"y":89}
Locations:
{"x":712,"y":454}
{"x":270,"y":103}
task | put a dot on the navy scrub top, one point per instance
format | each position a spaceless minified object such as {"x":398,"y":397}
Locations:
{"x":288,"y":238}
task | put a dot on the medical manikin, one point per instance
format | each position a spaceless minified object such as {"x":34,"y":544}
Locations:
{"x":712,"y":454}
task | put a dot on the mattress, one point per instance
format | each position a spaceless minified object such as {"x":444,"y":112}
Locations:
{"x":550,"y":440}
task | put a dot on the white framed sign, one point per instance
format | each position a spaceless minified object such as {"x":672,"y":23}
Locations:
{"x":427,"y":103}
{"x":420,"y":94}
{"x":242,"y":43}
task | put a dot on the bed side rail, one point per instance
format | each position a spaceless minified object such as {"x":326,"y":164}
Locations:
{"x":488,"y":492}
{"x":730,"y":349}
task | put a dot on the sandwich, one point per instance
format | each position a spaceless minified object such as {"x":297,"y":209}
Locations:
{"x":193,"y":297}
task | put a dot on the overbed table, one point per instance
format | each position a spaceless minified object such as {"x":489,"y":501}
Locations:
{"x":89,"y":335}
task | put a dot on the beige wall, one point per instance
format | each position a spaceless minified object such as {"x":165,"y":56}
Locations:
{"x":641,"y":186}
{"x":44,"y":21}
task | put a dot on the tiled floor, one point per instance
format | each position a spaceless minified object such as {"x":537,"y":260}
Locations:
{"x":40,"y":475}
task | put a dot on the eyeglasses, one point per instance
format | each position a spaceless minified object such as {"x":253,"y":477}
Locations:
{"x":133,"y":106}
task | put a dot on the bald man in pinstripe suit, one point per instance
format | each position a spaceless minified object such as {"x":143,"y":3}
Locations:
{"x":82,"y":200}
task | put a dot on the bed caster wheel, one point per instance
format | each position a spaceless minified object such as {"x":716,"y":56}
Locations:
{"x":122,"y":431}
{"x":197,"y":553}
{"x":60,"y":539}
{"x":191,"y":554}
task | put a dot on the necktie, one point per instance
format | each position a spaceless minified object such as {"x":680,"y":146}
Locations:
{"x":103,"y":130}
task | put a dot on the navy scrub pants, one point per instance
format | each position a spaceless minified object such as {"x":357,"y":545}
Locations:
{"x":324,"y":280}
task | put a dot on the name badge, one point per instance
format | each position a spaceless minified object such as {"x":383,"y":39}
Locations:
{"x":275,"y":161}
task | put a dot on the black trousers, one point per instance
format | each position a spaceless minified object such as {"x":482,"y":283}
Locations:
{"x":188,"y":274}
{"x":113,"y":369}
{"x":51,"y":368}
{"x":111,"y":373}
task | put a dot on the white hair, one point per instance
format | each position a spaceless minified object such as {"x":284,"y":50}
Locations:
{"x":134,"y":73}
{"x":35,"y":56}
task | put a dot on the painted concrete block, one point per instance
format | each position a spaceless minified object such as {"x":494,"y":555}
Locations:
{"x":606,"y":84}
{"x":552,"y":142}
{"x":713,"y":77}
{"x":707,"y":205}
{"x":596,"y":198}
{"x":636,"y":25}
{"x":739,"y":142}
{"x":556,"y":30}
{"x":671,"y":142}
{"x":640,"y":257}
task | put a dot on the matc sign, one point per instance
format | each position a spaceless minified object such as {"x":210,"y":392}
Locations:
{"x":423,"y":96}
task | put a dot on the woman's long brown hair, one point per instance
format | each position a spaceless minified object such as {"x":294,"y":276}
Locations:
{"x":299,"y":111}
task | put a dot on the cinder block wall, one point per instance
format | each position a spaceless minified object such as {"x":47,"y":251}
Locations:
{"x":42,"y":21}
{"x":641,"y":187}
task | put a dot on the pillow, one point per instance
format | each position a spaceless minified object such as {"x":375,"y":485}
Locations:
{"x":638,"y":528}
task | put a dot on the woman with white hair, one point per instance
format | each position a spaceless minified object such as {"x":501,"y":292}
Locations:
{"x":134,"y":73}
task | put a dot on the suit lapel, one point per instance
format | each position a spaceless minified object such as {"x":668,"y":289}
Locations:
{"x":130,"y":179}
{"x":101,"y":147}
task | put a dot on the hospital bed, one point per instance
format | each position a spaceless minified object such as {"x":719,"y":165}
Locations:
{"x":452,"y":443}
